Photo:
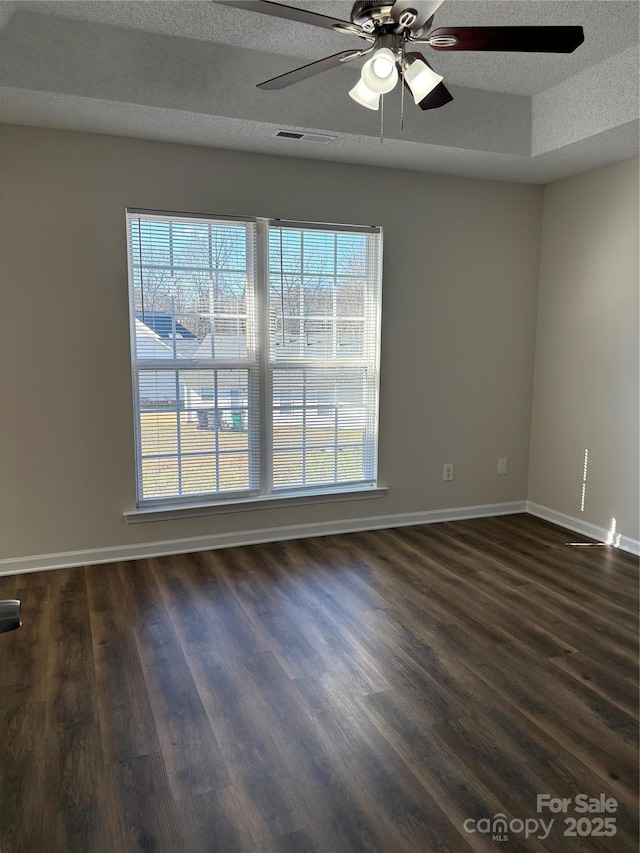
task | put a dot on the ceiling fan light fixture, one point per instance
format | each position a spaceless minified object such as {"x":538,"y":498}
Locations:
{"x":420,"y":79}
{"x":380,"y":74}
{"x":363,"y":95}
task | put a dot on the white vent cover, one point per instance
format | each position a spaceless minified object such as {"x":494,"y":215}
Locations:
{"x":299,"y":136}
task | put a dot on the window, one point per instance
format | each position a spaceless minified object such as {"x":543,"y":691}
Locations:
{"x":255,"y":356}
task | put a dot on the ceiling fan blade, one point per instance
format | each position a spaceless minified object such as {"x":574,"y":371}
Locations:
{"x":278,"y":10}
{"x":437,"y":97}
{"x":424,"y":9}
{"x":526,"y":39}
{"x":305,"y":71}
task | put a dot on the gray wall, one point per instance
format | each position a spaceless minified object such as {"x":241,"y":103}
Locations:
{"x":460,"y":282}
{"x":586,"y":368}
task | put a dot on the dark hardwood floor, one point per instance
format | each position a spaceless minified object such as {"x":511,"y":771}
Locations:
{"x":362,"y":692}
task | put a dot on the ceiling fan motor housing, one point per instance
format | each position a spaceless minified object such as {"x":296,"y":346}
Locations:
{"x":374,"y":16}
{"x":370,"y":14}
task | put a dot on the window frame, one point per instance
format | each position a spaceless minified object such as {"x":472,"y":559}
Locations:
{"x":260,"y":371}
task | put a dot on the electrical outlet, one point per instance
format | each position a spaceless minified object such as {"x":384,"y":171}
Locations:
{"x":447,"y":472}
{"x":502,"y":465}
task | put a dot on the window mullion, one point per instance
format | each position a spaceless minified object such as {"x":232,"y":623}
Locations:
{"x":264,"y":357}
{"x":334,"y":298}
{"x":216,"y":418}
{"x":178,"y":429}
{"x":304,"y":426}
{"x":301,"y":300}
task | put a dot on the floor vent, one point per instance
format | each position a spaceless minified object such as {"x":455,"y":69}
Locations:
{"x":318,"y":138}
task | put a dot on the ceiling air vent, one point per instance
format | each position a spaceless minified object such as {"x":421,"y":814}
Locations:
{"x":318,"y":138}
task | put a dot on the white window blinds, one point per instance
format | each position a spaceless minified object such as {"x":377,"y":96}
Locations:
{"x":255,"y":356}
{"x":324,"y":298}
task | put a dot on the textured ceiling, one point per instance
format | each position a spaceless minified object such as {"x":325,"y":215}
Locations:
{"x":609,"y":28}
{"x":173,"y":71}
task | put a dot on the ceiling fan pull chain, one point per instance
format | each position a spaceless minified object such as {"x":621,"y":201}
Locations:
{"x":402,"y":96}
{"x":381,"y":119}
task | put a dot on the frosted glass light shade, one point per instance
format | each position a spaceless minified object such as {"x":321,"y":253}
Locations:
{"x":380,"y":74}
{"x":363,"y":95}
{"x":383,"y":63}
{"x":421,"y":79}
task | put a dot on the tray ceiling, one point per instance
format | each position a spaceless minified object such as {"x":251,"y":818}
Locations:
{"x":186,"y":72}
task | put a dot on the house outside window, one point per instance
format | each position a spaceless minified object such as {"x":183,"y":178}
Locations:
{"x":255,"y":357}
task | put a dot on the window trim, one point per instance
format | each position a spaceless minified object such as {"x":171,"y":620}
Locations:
{"x":267,"y":495}
{"x":190,"y":509}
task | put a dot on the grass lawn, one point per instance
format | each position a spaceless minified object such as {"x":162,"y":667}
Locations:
{"x":220,"y":458}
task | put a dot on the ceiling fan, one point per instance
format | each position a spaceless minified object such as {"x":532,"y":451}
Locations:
{"x":392,"y":29}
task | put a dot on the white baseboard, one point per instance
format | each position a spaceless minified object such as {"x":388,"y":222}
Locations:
{"x":68,"y":559}
{"x":625,"y":543}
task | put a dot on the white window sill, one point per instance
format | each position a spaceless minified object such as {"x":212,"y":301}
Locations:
{"x":168,"y":512}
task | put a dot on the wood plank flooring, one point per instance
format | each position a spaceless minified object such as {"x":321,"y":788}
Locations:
{"x":362,"y":692}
